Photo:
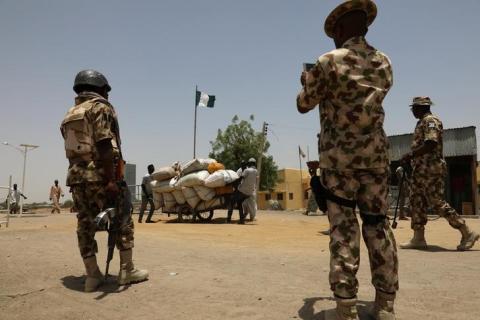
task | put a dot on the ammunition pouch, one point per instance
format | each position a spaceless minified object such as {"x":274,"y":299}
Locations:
{"x":322,"y":195}
{"x":372,"y":220}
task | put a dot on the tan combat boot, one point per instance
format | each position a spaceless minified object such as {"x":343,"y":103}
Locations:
{"x":346,"y":310}
{"x":418,"y":241}
{"x":468,"y":238}
{"x":94,"y":276}
{"x":383,"y":307}
{"x":128,"y":274}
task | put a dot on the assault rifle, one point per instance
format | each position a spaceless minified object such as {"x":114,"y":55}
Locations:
{"x":111,"y":220}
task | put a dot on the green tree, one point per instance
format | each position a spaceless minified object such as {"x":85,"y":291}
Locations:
{"x":240,"y":142}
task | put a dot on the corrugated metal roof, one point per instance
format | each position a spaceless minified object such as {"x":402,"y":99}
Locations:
{"x":456,"y":142}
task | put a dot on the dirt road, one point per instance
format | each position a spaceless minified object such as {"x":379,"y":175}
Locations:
{"x":276,"y":268}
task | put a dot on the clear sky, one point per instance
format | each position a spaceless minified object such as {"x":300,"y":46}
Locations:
{"x":248,"y":53}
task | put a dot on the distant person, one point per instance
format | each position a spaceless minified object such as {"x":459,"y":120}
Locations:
{"x":312,"y":205}
{"x":15,"y":195}
{"x":248,"y":187}
{"x":243,"y":190}
{"x":428,"y":178}
{"x":403,"y":184}
{"x":249,"y":175}
{"x":147,"y":195}
{"x":55,"y":193}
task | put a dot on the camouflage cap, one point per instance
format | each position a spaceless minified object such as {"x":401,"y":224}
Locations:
{"x":421,"y":101}
{"x":367,"y":6}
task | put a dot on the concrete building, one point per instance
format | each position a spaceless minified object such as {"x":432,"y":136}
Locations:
{"x":290,"y":191}
{"x":460,"y":152}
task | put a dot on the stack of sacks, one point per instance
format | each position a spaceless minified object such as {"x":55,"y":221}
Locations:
{"x":162,"y":183}
{"x":196,"y":184}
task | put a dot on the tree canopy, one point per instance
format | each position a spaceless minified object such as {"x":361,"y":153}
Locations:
{"x":240,"y":142}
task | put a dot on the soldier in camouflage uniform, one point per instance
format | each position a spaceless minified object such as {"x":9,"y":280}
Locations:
{"x":349,"y":85}
{"x":428,"y":178}
{"x":92,"y":145}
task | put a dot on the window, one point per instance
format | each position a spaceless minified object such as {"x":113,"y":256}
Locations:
{"x":279,"y":196}
{"x":290,"y":196}
{"x":268,"y":196}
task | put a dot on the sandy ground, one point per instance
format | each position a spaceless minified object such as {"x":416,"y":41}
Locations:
{"x":275,"y":268}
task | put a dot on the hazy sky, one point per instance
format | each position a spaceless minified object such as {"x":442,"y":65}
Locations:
{"x":248,"y":53}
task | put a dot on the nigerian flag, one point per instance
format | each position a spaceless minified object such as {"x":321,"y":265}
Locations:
{"x":204,"y":100}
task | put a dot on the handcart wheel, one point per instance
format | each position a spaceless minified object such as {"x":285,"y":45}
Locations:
{"x":205,"y":216}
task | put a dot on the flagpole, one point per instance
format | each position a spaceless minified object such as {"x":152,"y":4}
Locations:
{"x":301,"y":174}
{"x":195,"y":125}
{"x":308,"y":153}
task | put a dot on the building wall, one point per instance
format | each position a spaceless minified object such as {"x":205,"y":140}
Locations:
{"x":289,"y":191}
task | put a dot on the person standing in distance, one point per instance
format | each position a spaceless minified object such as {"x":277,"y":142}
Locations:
{"x":349,"y":85}
{"x":55,"y":193}
{"x":92,"y":145}
{"x":428,"y":178}
{"x":147,"y":195}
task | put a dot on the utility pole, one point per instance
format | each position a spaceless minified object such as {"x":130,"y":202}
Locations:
{"x":260,"y":153}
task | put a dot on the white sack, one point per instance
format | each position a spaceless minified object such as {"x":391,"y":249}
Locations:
{"x":179,"y":197}
{"x":205,"y":193}
{"x":191,"y":196}
{"x":169,"y":200}
{"x":221,"y":178}
{"x":164,"y":173}
{"x":196,"y":165}
{"x":193,"y":179}
{"x":205,"y":205}
{"x":163,"y":186}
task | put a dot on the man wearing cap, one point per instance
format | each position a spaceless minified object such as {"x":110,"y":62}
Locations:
{"x":349,"y":85}
{"x":428,"y":178}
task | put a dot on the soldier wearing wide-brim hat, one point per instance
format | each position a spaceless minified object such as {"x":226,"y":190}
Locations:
{"x":349,"y":85}
{"x":428,"y":178}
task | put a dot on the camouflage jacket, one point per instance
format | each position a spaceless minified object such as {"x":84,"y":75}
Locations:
{"x":101,"y":122}
{"x":429,"y":128}
{"x":350,"y":84}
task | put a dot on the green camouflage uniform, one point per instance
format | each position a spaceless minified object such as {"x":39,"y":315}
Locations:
{"x":428,"y":177}
{"x":85,"y":173}
{"x":350,"y":84}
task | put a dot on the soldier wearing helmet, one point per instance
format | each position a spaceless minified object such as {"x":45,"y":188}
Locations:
{"x":93,"y":148}
{"x":428,"y":178}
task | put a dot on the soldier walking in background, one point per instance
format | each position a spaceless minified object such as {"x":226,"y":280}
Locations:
{"x":147,"y":195}
{"x":55,"y":193}
{"x":349,"y":85}
{"x":92,"y":145}
{"x":428,"y":178}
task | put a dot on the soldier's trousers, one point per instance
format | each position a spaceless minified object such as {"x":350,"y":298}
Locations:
{"x":370,"y":189}
{"x":428,"y":192}
{"x":90,"y":199}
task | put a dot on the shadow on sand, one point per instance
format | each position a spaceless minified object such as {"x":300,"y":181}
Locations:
{"x":108,"y":287}
{"x":307,"y":311}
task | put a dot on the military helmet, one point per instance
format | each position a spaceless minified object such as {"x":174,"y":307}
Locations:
{"x":422,"y":101}
{"x":90,"y":78}
{"x":252,"y":160}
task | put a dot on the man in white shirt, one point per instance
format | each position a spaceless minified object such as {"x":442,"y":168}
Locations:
{"x":248,"y":187}
{"x":147,"y":195}
{"x":15,"y":199}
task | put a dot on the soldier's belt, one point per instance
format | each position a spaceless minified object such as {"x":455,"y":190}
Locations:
{"x":322,"y":195}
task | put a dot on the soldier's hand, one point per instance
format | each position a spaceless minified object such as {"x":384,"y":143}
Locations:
{"x":112,"y":190}
{"x":303,"y":78}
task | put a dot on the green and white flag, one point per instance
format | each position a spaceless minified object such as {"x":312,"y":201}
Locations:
{"x":204,"y":100}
